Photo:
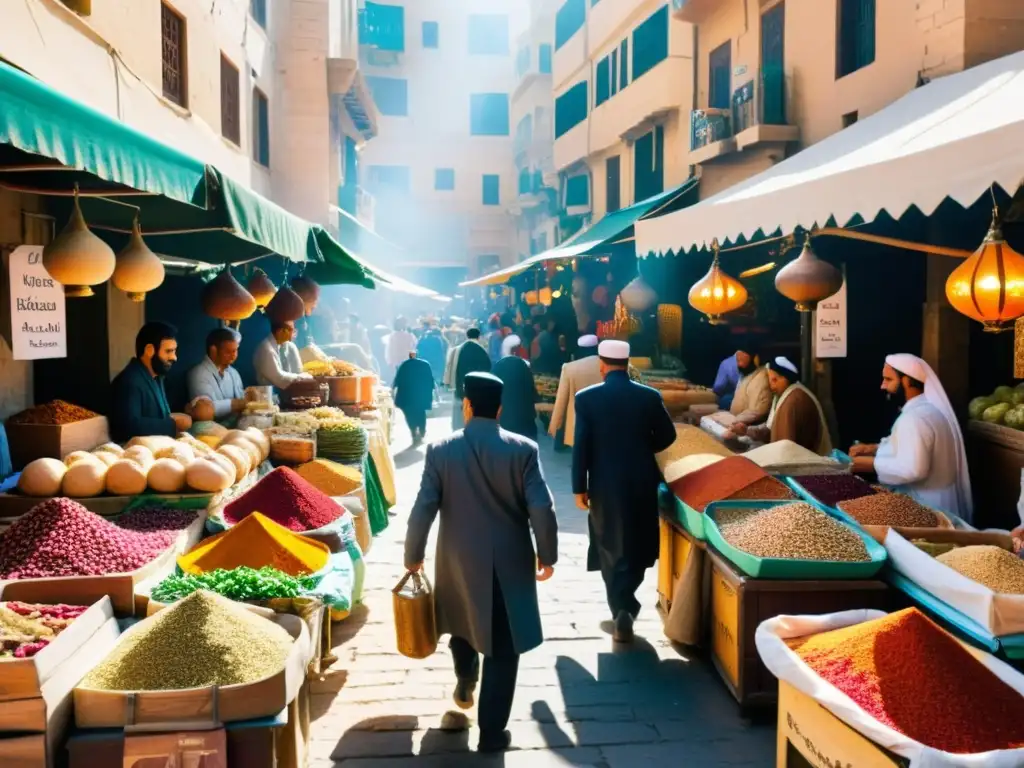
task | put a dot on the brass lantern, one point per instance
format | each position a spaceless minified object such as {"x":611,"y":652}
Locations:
{"x":717,"y":293}
{"x":989,"y":285}
{"x":807,"y":279}
{"x":77,"y":258}
{"x":138,"y":269}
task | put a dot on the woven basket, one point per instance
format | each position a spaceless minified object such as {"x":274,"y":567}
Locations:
{"x":415,"y":624}
{"x":670,"y":327}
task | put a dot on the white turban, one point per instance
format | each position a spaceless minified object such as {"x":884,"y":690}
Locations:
{"x":510,"y":343}
{"x":915,"y":367}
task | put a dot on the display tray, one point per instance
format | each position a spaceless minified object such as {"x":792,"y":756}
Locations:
{"x":944,"y":522}
{"x":789,"y":568}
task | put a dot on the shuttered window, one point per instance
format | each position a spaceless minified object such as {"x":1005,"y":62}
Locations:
{"x":545,"y":59}
{"x":569,"y":20}
{"x":230,"y":108}
{"x":571,"y":109}
{"x":613,"y":193}
{"x":173,"y":55}
{"x":649,"y":165}
{"x":855,"y":36}
{"x":260,"y":128}
{"x":492,"y":189}
{"x":602,"y":82}
{"x":650,"y":42}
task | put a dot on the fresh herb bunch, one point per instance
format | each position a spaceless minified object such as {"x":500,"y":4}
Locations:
{"x":242,"y":583}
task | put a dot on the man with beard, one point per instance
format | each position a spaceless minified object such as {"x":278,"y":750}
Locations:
{"x":140,"y":402}
{"x":924,"y":456}
{"x":752,"y":399}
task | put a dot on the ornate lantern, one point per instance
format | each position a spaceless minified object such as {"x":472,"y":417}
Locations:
{"x":77,"y":258}
{"x":138,"y":269}
{"x":261,"y":288}
{"x":989,"y":285}
{"x":807,"y":279}
{"x":717,"y":293}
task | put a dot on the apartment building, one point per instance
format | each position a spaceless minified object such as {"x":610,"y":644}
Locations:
{"x":623,"y":85}
{"x":778,"y":75}
{"x":441,"y":169}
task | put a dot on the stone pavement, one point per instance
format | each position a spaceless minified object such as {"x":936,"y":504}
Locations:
{"x":580,"y":701}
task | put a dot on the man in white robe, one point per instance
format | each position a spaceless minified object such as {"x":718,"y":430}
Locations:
{"x":924,"y":456}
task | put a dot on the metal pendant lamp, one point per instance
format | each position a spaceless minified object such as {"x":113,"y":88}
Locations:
{"x":78,"y":259}
{"x":807,"y":279}
{"x":717,"y":293}
{"x":138,"y":270}
{"x":989,"y":285}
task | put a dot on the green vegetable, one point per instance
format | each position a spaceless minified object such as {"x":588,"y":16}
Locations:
{"x":1003,"y":394}
{"x":978,"y":405}
{"x":1015,"y":417}
{"x":237,"y":584}
{"x":996,"y":413}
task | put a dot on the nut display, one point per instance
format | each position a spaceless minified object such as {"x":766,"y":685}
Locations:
{"x":796,"y":531}
{"x":894,"y":509}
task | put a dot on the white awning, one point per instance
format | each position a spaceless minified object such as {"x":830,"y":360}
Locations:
{"x":953,"y":138}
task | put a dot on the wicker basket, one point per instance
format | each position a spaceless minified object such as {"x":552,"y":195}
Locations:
{"x":415,"y":624}
{"x":670,"y":327}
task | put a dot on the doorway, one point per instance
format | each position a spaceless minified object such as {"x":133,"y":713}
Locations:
{"x":720,"y":76}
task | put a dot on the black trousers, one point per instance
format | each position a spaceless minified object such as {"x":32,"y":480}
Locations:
{"x":621,"y":582}
{"x":500,"y":668}
{"x":416,"y":419}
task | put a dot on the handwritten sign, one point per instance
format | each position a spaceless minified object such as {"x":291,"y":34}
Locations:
{"x":38,"y":328}
{"x":830,"y":340}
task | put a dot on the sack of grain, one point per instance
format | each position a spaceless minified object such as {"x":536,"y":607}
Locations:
{"x":784,"y":457}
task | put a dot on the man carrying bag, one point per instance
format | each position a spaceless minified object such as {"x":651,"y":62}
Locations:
{"x":488,"y":486}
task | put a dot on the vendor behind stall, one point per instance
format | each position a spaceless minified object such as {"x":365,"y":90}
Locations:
{"x":277,"y":360}
{"x":728,"y":377}
{"x":216,"y":379}
{"x":924,"y":456}
{"x":795,"y":415}
{"x":752,"y":400}
{"x":140,"y":405}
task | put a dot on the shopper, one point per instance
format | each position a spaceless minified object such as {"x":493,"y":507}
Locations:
{"x":472,"y":357}
{"x":413,"y":393}
{"x":519,"y":395}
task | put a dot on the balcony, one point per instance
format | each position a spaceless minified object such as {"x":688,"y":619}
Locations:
{"x":532,"y":63}
{"x":757,"y":117}
{"x":381,"y":34}
{"x":632,"y":111}
{"x":694,"y":11}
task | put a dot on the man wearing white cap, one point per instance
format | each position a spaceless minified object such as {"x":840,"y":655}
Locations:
{"x":795,"y":415}
{"x":620,"y":426}
{"x":579,"y":374}
{"x":924,"y":456}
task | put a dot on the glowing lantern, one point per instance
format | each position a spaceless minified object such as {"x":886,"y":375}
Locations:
{"x":77,"y":259}
{"x":989,"y":285}
{"x":717,"y":293}
{"x":808,"y":280}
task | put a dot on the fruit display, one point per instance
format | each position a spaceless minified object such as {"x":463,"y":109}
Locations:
{"x":332,"y":367}
{"x":27,"y":628}
{"x":1004,"y":406}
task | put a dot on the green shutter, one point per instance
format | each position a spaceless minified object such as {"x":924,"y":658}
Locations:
{"x":602,"y":83}
{"x":571,"y":109}
{"x":650,"y":42}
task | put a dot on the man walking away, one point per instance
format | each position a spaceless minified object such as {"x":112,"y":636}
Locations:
{"x":620,"y":426}
{"x":413,"y":391}
{"x":519,"y":394}
{"x":472,"y":357}
{"x":488,"y":486}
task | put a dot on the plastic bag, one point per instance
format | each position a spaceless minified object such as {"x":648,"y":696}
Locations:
{"x":790,"y":668}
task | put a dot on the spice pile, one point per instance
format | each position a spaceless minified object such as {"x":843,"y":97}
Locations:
{"x":331,"y":478}
{"x":992,"y":566}
{"x":236,"y":584}
{"x":27,"y":628}
{"x":716,"y":482}
{"x":831,"y":489}
{"x":60,"y":537}
{"x":895,"y":509}
{"x":687,"y":465}
{"x":200,"y":641}
{"x":765,"y":489}
{"x":342,"y":439}
{"x":54,"y":413}
{"x":690,"y":440}
{"x":796,"y":531}
{"x":156,"y":519}
{"x":256,"y":542}
{"x":784,"y":457}
{"x":908,"y":674}
{"x":286,"y":498}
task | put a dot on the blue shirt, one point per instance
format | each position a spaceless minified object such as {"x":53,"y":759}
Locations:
{"x":205,"y":380}
{"x":727,"y":379}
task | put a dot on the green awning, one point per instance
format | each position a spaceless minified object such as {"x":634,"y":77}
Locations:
{"x":612,"y":228}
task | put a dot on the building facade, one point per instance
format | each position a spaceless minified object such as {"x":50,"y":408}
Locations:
{"x":623,"y":87}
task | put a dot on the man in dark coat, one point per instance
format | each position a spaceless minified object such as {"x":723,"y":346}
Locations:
{"x":413,"y":391}
{"x":140,"y":404}
{"x":434,"y":350}
{"x":620,"y":426}
{"x":472,"y":358}
{"x":519,"y":395}
{"x":488,"y":486}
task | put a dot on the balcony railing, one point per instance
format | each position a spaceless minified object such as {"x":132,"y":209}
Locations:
{"x":762,"y":100}
{"x":708,"y":126}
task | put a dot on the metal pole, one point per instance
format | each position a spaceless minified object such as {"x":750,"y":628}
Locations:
{"x":807,"y":348}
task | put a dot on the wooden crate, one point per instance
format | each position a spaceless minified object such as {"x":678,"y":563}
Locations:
{"x":739,"y":604}
{"x":674,"y":551}
{"x":38,"y":441}
{"x":810,"y":735}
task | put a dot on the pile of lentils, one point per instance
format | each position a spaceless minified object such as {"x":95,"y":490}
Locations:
{"x":895,"y":509}
{"x":831,"y":489}
{"x":60,"y":537}
{"x":202,"y":640}
{"x":992,"y":566}
{"x":795,"y":531}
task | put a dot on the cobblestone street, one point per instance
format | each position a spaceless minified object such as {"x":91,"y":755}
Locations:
{"x":579,"y":701}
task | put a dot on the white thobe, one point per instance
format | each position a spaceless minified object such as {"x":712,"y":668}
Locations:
{"x":920,"y":459}
{"x":277,"y":365}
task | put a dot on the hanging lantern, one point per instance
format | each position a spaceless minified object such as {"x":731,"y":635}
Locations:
{"x":138,"y":269}
{"x":989,"y":285}
{"x":286,"y":306}
{"x":224,"y":298}
{"x":807,"y":279}
{"x":544,"y":296}
{"x":638,"y":296}
{"x":77,"y":259}
{"x":261,"y":288}
{"x":531,"y":298}
{"x":308,"y":290}
{"x":717,"y":293}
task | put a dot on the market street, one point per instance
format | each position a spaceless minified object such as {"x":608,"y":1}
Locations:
{"x":578,"y":702}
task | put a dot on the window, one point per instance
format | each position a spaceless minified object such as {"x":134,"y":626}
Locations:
{"x":849,"y":119}
{"x":488,"y":34}
{"x":577,"y":190}
{"x":601,"y":82}
{"x":650,"y":42}
{"x":444,"y":179}
{"x":649,"y":164}
{"x":230,"y":122}
{"x":382,"y":26}
{"x":613,"y":193}
{"x":260,"y":128}
{"x":569,"y":20}
{"x":258,"y":11}
{"x":172,"y":29}
{"x":571,"y":109}
{"x":624,"y":58}
{"x":390,"y":94}
{"x":492,"y":189}
{"x":545,"y":59}
{"x":488,"y":114}
{"x":614,"y":58}
{"x":855,"y":36}
{"x":431,"y":34}
{"x":720,"y":77}
{"x":523,"y":61}
{"x":389,"y":179}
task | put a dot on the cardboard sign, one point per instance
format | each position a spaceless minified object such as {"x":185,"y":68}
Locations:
{"x":830,"y":320}
{"x":38,"y":328}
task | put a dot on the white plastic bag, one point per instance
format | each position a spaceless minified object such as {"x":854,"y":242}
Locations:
{"x":790,"y":668}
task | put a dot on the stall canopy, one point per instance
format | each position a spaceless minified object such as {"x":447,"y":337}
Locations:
{"x":612,"y":228}
{"x":954,"y":138}
{"x":188,"y":211}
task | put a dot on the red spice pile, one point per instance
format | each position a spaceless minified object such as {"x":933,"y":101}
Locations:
{"x":717,"y":481}
{"x":60,"y":537}
{"x":288,"y":500}
{"x":909,"y":674}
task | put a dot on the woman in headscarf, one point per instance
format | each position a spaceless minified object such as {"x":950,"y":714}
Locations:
{"x":519,"y":393}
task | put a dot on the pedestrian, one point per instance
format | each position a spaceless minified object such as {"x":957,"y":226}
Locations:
{"x":399,"y":344}
{"x":519,"y":395}
{"x":620,"y":426}
{"x":413,"y":392}
{"x":472,"y":357}
{"x":489,"y":489}
{"x":434,"y":349}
